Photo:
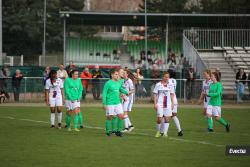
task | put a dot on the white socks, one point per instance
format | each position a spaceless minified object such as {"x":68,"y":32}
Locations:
{"x":127,"y":122}
{"x":59,"y":117}
{"x":177,"y":123}
{"x":52,"y":118}
{"x":158,"y":127}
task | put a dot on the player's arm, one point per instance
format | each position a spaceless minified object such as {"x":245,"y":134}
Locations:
{"x":155,"y":92}
{"x":201,"y":97}
{"x":172,"y":93}
{"x":67,"y":89}
{"x":80,"y":90}
{"x":124,"y":91}
{"x":217,"y":93}
{"x":104,"y":95}
{"x":47,"y":96}
{"x":131,"y":87}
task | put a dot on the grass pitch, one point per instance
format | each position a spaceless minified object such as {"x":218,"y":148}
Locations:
{"x":26,"y":140}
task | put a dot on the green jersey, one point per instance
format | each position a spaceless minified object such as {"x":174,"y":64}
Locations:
{"x":111,"y":93}
{"x":215,"y":93}
{"x":121,"y":81}
{"x":72,"y":89}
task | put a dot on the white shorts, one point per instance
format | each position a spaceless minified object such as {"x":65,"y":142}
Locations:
{"x":164,"y":112}
{"x":214,"y":110}
{"x":114,"y":109}
{"x":127,"y":105}
{"x":175,"y":108}
{"x":71,"y":105}
{"x":55,"y":102}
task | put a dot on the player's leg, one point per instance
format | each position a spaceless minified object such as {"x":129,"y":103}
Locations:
{"x":80,"y":119}
{"x":217,"y":114}
{"x":76,"y":111}
{"x":52,"y":117}
{"x":159,"y":115}
{"x":114,"y":122}
{"x":176,"y":121}
{"x":126,"y":124}
{"x":167,"y":113}
{"x":130,"y":125}
{"x":59,"y":116}
{"x":109,"y":116}
{"x":209,"y":118}
{"x":120,"y":122}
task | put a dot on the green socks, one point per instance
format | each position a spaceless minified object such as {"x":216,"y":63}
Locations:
{"x":67,"y":120}
{"x":107,"y":125}
{"x":80,"y":118}
{"x":222,"y":121}
{"x":114,"y":123}
{"x":120,"y":125}
{"x":76,"y":118}
{"x":210,"y":123}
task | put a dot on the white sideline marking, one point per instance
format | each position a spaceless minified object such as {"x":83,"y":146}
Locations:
{"x":143,"y":134}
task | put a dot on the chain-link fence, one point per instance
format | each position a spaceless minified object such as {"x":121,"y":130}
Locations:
{"x":32,"y":89}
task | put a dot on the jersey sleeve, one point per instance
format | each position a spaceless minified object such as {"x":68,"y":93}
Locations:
{"x":104,"y":93}
{"x":123,"y":91}
{"x":131,"y":85}
{"x":172,"y":89}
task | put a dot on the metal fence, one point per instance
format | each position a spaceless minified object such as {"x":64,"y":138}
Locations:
{"x":208,"y":38}
{"x":32,"y":89}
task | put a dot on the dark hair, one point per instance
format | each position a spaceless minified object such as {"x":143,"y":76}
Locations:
{"x":216,"y":76}
{"x":139,"y":72}
{"x":51,"y":73}
{"x":208,"y":72}
{"x":72,"y":72}
{"x":172,"y":73}
{"x":130,"y":75}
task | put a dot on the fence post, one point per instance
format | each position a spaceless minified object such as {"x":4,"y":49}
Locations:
{"x":25,"y":89}
{"x":184,"y":93}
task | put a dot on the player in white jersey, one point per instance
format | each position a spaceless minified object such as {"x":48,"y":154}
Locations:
{"x":173,"y":82}
{"x":128,"y":101}
{"x":205,"y":88}
{"x":54,"y":97}
{"x":163,"y":104}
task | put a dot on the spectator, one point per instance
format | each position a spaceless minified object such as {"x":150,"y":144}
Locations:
{"x":61,"y":73}
{"x":140,"y":90}
{"x":96,"y":89}
{"x":240,"y":82}
{"x":190,"y":82}
{"x":70,"y":67}
{"x":218,"y":72}
{"x":4,"y":73}
{"x":46,"y":74}
{"x":16,"y":82}
{"x":85,"y":76}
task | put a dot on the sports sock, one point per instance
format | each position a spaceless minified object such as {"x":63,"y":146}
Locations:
{"x":107,"y":125}
{"x":210,"y":123}
{"x":52,"y":118}
{"x":222,"y":121}
{"x":166,"y":126}
{"x":76,"y":118}
{"x":114,"y":123}
{"x":177,"y":123}
{"x":158,"y":127}
{"x":129,"y":122}
{"x":119,"y":124}
{"x":162,"y":125}
{"x":59,"y":117}
{"x":126,"y":121}
{"x":68,"y":120}
{"x":80,"y":118}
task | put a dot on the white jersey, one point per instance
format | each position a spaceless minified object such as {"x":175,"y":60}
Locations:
{"x":173,"y":83}
{"x":128,"y":85}
{"x":55,"y":88}
{"x":163,"y":94}
{"x":205,"y":88}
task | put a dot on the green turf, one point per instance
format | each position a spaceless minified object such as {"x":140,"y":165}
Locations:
{"x":26,"y":143}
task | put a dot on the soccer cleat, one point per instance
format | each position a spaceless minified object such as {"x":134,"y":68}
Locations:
{"x":180,"y":133}
{"x":131,"y":128}
{"x":59,"y":126}
{"x":76,"y":130}
{"x":119,"y":134}
{"x":81,"y":126}
{"x":113,"y":132}
{"x":125,"y":130}
{"x":210,"y":130}
{"x":228,"y":127}
{"x":52,"y":126}
{"x":158,"y":134}
{"x":108,"y":133}
{"x":165,"y":135}
{"x":65,"y":126}
{"x":69,"y":129}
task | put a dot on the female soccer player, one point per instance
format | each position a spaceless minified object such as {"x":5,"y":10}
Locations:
{"x":173,"y":82}
{"x":205,"y":88}
{"x":128,"y":101}
{"x":73,"y":92}
{"x":112,"y":103}
{"x":214,"y":104}
{"x":163,"y":104}
{"x":54,"y":97}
